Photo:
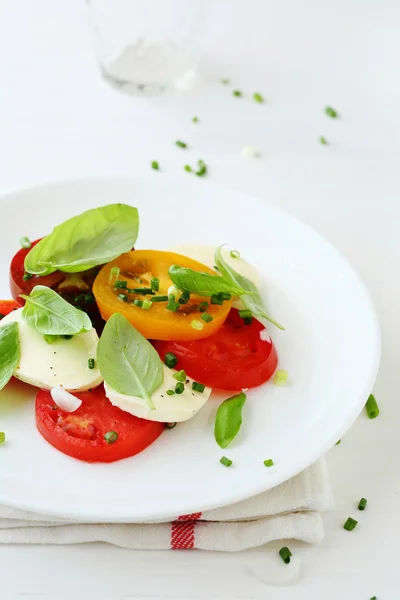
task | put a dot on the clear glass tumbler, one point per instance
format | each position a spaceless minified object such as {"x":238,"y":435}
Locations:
{"x":145,"y":46}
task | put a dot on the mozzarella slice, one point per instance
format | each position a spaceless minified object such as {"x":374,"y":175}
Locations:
{"x":62,"y":364}
{"x":168,"y":409}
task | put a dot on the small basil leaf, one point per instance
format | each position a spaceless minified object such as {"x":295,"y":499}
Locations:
{"x":127,"y":361}
{"x":93,"y":238}
{"x":202,"y":284}
{"x":50,"y":314}
{"x":229,"y":419}
{"x":9,"y":352}
{"x":252,"y":300}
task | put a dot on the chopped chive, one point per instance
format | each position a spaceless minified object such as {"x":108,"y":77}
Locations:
{"x":237,"y":93}
{"x":280,"y":377}
{"x":123,"y":297}
{"x":350,"y":524}
{"x":225,"y":461}
{"x":180,"y":375}
{"x":155,"y":284}
{"x":225,"y":81}
{"x":25,"y":243}
{"x":170,"y":425}
{"x":245,"y":314}
{"x":206,"y":317}
{"x":372,"y":407}
{"x":224,"y":296}
{"x":147,"y":304}
{"x":215,"y":300}
{"x":111,"y":437}
{"x":373,"y":598}
{"x":171,"y":297}
{"x":90,"y":363}
{"x":188,"y":168}
{"x":2,"y":437}
{"x":323,"y":141}
{"x":114,"y":274}
{"x":285,"y":554}
{"x":120,"y":284}
{"x":170,"y":393}
{"x":27,"y":276}
{"x":173,"y":291}
{"x":269,"y":462}
{"x":170,"y":360}
{"x":179,"y":388}
{"x":143,"y":290}
{"x":198,"y":387}
{"x":196,"y":324}
{"x":172,"y":306}
{"x":202,"y":168}
{"x":258,"y":98}
{"x":235,"y":253}
{"x":180,"y":144}
{"x":138,"y":302}
{"x":159,"y":299}
{"x":195,"y":120}
{"x":184,"y":298}
{"x":154,"y":165}
{"x":331,"y":112}
{"x":338,"y":442}
{"x":362,"y":504}
{"x":247,"y":320}
{"x":203,"y":306}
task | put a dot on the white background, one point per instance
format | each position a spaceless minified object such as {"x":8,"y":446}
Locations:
{"x":59,"y":120}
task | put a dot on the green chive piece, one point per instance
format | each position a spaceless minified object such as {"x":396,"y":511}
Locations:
{"x":114,"y":274}
{"x":172,"y":306}
{"x":27,"y":276}
{"x":123,"y":297}
{"x":258,"y":98}
{"x":180,"y":144}
{"x":362,"y":504}
{"x":90,"y":363}
{"x":195,"y":119}
{"x":154,"y":165}
{"x":143,"y":290}
{"x":235,"y":253}
{"x":350,"y":524}
{"x":184,"y":298}
{"x":155,"y":284}
{"x":202,"y":168}
{"x":224,"y":296}
{"x":179,"y":388}
{"x":171,"y":297}
{"x":331,"y":112}
{"x":247,"y":320}
{"x":25,"y":243}
{"x":2,"y":437}
{"x":196,"y":324}
{"x":372,"y":407}
{"x":170,"y":425}
{"x":159,"y":299}
{"x":323,"y":140}
{"x":198,"y":387}
{"x":216,"y":300}
{"x":269,"y":462}
{"x":170,"y":360}
{"x":206,"y":317}
{"x":203,"y":306}
{"x":119,"y":284}
{"x":237,"y":93}
{"x":280,"y":377}
{"x":225,"y":81}
{"x":373,"y":598}
{"x":338,"y":442}
{"x":147,"y":304}
{"x":225,"y":461}
{"x":111,"y":437}
{"x":170,"y":393}
{"x":188,"y":168}
{"x":285,"y":554}
{"x":180,"y":375}
{"x":138,"y":302}
{"x":245,"y":314}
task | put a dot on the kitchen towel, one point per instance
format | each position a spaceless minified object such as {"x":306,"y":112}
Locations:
{"x":291,"y":510}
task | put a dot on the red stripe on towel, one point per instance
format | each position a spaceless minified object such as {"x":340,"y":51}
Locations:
{"x":182,"y":532}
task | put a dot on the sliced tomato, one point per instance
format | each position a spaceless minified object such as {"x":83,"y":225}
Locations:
{"x":81,"y":434}
{"x":137,"y":268}
{"x":7,"y":306}
{"x":237,"y":356}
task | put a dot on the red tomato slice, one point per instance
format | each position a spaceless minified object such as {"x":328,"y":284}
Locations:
{"x":81,"y":434}
{"x":6,"y":306}
{"x":237,"y":356}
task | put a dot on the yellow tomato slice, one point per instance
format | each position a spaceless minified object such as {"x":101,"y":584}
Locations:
{"x":137,"y":268}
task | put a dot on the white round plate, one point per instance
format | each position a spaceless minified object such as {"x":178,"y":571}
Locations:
{"x":331,"y":349}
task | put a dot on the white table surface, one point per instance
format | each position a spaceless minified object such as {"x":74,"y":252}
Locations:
{"x":59,"y":120}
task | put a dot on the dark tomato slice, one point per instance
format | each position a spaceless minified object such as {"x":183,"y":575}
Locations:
{"x":237,"y":356}
{"x":81,"y":434}
{"x":6,"y":306}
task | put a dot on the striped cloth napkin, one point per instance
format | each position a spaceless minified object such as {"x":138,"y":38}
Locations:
{"x":292,"y":510}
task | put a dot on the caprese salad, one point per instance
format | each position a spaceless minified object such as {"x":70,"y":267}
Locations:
{"x":122,"y":342}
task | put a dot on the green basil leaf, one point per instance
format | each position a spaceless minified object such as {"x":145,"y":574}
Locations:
{"x":9,"y":352}
{"x":93,"y":238}
{"x":229,"y":419}
{"x":50,"y":314}
{"x":252,"y":300}
{"x":202,"y":284}
{"x":127,"y":361}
